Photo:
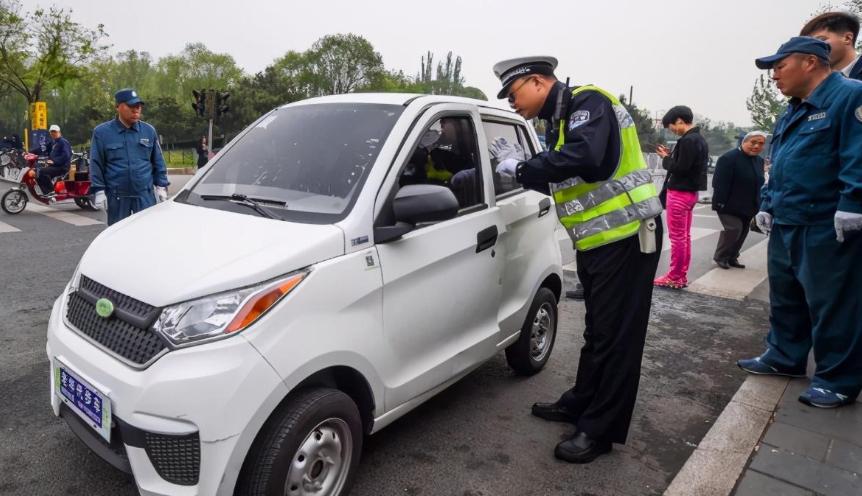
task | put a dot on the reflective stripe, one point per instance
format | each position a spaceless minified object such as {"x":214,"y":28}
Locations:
{"x":609,"y":236}
{"x":639,"y":194}
{"x":601,"y":194}
{"x":637,"y":211}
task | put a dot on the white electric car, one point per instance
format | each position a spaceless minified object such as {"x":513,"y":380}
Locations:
{"x":341,"y":261}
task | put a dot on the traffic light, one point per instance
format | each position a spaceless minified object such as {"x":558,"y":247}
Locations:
{"x":221,"y":103}
{"x":200,"y":102}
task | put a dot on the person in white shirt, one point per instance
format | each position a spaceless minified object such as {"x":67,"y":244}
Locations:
{"x":840,"y":30}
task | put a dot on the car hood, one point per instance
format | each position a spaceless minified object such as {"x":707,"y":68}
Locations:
{"x":175,"y":252}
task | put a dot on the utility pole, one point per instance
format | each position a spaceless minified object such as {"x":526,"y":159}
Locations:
{"x":211,"y":112}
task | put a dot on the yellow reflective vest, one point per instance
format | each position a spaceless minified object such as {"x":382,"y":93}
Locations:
{"x":596,"y":214}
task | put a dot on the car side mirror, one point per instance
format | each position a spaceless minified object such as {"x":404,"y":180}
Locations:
{"x":417,"y":204}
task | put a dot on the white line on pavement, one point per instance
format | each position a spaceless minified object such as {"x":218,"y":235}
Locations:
{"x":706,"y":216}
{"x":696,"y":234}
{"x":67,"y":217}
{"x":4,"y":228}
{"x":735,"y":283}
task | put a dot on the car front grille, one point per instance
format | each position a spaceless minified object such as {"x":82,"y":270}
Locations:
{"x":126,"y":333}
{"x":177,"y":459}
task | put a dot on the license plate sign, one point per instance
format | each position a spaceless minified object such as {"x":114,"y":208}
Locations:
{"x":84,"y":399}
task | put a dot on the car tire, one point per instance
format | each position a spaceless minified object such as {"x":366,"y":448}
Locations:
{"x":83,"y":203}
{"x":310,"y":445}
{"x":529,"y":354}
{"x":14,"y":201}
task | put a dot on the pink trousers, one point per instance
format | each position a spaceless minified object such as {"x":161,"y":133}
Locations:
{"x":679,"y":210}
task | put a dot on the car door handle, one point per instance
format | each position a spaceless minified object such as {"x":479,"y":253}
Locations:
{"x":486,"y":238}
{"x":544,"y":206}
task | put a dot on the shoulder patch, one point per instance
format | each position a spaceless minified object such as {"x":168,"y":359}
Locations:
{"x":859,"y":113}
{"x":578,"y":118}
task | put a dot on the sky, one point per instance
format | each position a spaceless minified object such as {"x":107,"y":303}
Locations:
{"x":695,"y":53}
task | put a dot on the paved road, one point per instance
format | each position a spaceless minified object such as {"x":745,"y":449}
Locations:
{"x":476,"y":438}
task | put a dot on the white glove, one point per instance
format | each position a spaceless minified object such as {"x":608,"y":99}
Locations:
{"x":508,"y":167}
{"x":99,"y":201}
{"x":161,"y":194}
{"x":501,"y":149}
{"x":764,"y":221}
{"x":846,"y":222}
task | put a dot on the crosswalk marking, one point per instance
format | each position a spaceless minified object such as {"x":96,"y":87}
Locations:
{"x":734,"y":283}
{"x":64,"y":216}
{"x":5,"y":228}
{"x":696,"y":234}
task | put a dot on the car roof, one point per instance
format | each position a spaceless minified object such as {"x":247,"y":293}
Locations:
{"x":399,"y":99}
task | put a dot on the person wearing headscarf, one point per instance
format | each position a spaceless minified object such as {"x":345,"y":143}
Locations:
{"x":736,"y":187}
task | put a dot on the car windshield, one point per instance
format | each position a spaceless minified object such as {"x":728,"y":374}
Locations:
{"x":305,"y":163}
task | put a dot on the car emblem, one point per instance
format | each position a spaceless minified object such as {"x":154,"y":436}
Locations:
{"x":104,"y":308}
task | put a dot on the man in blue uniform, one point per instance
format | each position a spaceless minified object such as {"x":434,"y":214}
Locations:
{"x":59,"y":160}
{"x":127,"y":170}
{"x":812,"y":205}
{"x":607,"y":202}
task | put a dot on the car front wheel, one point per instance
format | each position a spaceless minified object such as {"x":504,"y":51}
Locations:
{"x":310,"y":446}
{"x":529,"y":354}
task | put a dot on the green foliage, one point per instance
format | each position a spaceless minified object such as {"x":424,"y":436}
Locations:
{"x":648,"y":135}
{"x":765,"y":103}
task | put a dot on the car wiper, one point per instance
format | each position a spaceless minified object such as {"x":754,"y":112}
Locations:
{"x":253,"y":203}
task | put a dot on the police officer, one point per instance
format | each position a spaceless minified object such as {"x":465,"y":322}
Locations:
{"x":813,"y":206}
{"x":127,"y":169}
{"x":606,"y":199}
{"x":59,"y":159}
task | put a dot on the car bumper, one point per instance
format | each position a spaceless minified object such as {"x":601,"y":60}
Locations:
{"x":182,"y":425}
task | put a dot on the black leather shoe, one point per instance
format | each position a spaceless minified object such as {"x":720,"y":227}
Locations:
{"x":581,"y":448}
{"x":721,"y":263}
{"x":577,"y":293}
{"x":735,"y":264}
{"x":554,"y":412}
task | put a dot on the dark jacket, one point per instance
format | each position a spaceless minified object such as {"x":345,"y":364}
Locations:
{"x":856,"y":71}
{"x":592,"y":144}
{"x":736,"y":184}
{"x":61,"y":153}
{"x":686,"y":165}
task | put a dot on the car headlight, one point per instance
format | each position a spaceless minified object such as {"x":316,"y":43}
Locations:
{"x":75,"y":281}
{"x":223,"y":314}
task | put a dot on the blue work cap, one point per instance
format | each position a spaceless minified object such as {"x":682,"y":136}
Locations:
{"x":797,"y":44}
{"x":127,"y":96}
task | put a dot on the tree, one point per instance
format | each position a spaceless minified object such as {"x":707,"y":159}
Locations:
{"x":648,"y":136}
{"x":448,"y":79}
{"x":43,"y":48}
{"x":341,"y":63}
{"x":765,"y":103}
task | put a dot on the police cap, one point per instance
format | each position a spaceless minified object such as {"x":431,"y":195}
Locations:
{"x":510,"y":70}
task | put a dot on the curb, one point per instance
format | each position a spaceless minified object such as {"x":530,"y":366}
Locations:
{"x":719,"y":460}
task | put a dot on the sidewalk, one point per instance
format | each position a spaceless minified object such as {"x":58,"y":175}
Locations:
{"x":806,"y":451}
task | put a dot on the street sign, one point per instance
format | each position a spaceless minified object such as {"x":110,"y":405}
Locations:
{"x":39,"y":115}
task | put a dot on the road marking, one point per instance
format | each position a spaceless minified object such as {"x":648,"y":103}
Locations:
{"x":705,"y":216}
{"x":735,"y":283}
{"x":696,"y":234}
{"x":67,"y":217}
{"x":5,"y":228}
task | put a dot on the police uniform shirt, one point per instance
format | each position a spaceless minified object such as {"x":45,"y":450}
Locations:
{"x":817,"y":156}
{"x":592,"y":141}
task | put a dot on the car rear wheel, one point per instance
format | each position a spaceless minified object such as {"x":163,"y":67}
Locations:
{"x":14,"y":201}
{"x":529,"y":354}
{"x":310,"y":446}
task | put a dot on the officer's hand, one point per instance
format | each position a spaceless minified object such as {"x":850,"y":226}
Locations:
{"x":764,"y":221}
{"x":99,"y":200}
{"x":501,"y":149}
{"x":161,"y":194}
{"x":846,"y":222}
{"x":508,"y":167}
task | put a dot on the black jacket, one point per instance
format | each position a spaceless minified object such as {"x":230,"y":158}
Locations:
{"x":856,"y":71}
{"x":592,"y":144}
{"x":736,"y":184}
{"x":686,"y":165}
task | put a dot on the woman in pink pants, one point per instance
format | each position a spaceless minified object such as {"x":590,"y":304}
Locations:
{"x":686,"y":175}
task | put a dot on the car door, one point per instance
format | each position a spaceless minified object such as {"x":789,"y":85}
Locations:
{"x":441,"y":282}
{"x":529,"y":239}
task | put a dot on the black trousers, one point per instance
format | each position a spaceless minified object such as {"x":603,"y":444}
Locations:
{"x":46,"y":174}
{"x":618,"y":284}
{"x":733,"y":236}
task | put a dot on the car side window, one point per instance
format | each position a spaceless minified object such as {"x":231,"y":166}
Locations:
{"x":505,"y":139}
{"x":447,"y":155}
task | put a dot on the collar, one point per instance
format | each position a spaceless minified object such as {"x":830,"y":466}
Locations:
{"x":547,"y":112}
{"x":695,"y":129}
{"x":821,"y":93}
{"x":847,"y":70}
{"x":120,"y":127}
